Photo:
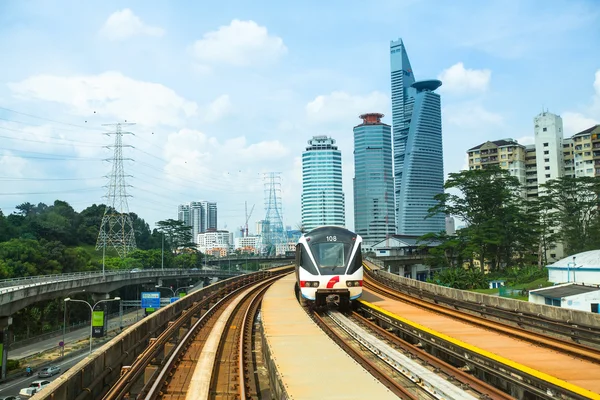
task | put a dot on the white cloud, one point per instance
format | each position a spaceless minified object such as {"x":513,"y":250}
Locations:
{"x":233,"y":165}
{"x":123,"y":24}
{"x":460,"y":80}
{"x":240,"y":43}
{"x":218,"y":108}
{"x":470,"y":115}
{"x":525,"y":140}
{"x":341,"y":106}
{"x":12,"y":165}
{"x":110,"y":94}
{"x":575,"y":121}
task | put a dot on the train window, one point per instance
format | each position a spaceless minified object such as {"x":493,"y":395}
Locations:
{"x":331,"y":257}
{"x":355,"y":266}
{"x":306,"y":262}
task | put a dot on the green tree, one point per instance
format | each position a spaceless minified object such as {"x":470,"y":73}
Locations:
{"x":491,"y":203}
{"x":574,"y":204}
{"x":178,"y":236}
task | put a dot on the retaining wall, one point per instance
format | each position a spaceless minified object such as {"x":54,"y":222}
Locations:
{"x":104,"y":365}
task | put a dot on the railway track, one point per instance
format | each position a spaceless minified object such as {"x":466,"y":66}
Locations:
{"x":407,"y":371}
{"x":558,"y":344}
{"x":589,"y":336}
{"x":205,"y":353}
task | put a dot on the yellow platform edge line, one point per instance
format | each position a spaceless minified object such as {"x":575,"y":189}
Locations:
{"x":523,"y":368}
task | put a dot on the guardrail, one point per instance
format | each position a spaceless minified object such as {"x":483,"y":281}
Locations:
{"x":9,"y":285}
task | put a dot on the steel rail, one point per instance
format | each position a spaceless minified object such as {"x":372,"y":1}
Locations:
{"x":247,"y":325}
{"x":373,"y":369}
{"x":574,"y":349}
{"x":478,"y":385}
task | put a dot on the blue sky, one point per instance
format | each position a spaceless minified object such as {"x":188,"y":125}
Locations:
{"x":221,"y":94}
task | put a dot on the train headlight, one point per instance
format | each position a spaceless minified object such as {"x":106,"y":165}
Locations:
{"x":353,"y":283}
{"x":309,"y":284}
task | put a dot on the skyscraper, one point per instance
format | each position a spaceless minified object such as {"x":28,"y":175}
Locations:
{"x":373,"y":179}
{"x":200,"y":216}
{"x":418,"y":155}
{"x":322,"y":195}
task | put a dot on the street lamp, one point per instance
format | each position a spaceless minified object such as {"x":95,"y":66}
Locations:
{"x":173,"y":291}
{"x":92,"y":313}
{"x":65,"y":320}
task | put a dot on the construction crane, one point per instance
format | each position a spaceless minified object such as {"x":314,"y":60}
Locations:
{"x":244,"y":229}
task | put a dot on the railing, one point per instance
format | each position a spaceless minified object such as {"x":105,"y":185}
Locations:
{"x":13,"y":284}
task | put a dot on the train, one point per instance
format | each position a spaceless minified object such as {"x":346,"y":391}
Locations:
{"x":329,"y":267}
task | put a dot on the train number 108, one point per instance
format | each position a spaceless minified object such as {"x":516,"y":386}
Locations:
{"x":332,"y":238}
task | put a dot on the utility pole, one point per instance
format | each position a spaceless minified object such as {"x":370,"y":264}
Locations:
{"x":116,"y":229}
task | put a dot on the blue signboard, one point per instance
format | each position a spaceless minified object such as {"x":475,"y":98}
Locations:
{"x":150,"y":299}
{"x":174,"y":299}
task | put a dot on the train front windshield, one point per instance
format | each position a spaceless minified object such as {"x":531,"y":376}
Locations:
{"x":331,"y":257}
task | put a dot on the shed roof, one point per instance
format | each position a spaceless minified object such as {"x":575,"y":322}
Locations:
{"x":557,"y":292}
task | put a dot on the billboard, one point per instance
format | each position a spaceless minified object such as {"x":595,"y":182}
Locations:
{"x":98,"y":324}
{"x":150,"y":299}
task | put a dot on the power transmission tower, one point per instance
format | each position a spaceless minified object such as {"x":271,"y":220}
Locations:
{"x":274,"y":237}
{"x":116,"y":229}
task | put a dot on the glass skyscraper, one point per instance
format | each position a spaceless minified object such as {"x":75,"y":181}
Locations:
{"x":373,"y":179}
{"x":418,"y":155}
{"x":322,"y":194}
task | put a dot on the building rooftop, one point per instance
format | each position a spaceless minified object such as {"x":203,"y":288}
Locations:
{"x":587,"y":259}
{"x":588,"y":130}
{"x":429,"y":84}
{"x":499,"y":143}
{"x":560,"y":291}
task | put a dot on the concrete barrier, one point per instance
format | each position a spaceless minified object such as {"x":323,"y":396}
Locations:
{"x":93,"y":375}
{"x":576,"y":317}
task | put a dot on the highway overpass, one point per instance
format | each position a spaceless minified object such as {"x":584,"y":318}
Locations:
{"x":19,"y":293}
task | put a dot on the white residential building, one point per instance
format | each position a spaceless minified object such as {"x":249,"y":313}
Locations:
{"x":548,"y":132}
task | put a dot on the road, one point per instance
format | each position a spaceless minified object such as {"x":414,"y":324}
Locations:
{"x":70,"y":338}
{"x":12,"y":388}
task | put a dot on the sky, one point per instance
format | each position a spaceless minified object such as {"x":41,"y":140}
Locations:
{"x":222,"y":94}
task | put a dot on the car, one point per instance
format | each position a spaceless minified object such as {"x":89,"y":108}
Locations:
{"x":34,"y":387}
{"x":133,"y":271}
{"x":49,"y":371}
{"x":10,"y":398}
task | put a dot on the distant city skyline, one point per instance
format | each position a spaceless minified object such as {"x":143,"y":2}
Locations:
{"x":213,"y":112}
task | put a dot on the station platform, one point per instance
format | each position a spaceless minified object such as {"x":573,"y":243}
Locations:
{"x":303,"y":359}
{"x":582,"y":374}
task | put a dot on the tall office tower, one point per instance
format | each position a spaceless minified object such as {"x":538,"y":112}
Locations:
{"x":183,"y":214}
{"x":209,"y":221}
{"x":322,"y":194}
{"x":373,"y":179}
{"x":418,"y":153}
{"x":548,"y":131}
{"x":197,"y":214}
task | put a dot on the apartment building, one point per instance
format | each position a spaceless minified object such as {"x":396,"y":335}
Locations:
{"x":507,"y":154}
{"x":585,"y":152}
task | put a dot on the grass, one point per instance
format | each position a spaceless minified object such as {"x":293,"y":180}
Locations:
{"x":536,"y":284}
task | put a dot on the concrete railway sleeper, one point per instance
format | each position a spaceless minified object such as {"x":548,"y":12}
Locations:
{"x":568,"y":347}
{"x":504,"y":377}
{"x":589,"y":335}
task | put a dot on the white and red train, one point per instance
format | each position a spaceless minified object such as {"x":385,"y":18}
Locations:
{"x":329,"y":267}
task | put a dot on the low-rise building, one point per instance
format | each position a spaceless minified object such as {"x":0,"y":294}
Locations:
{"x":582,"y":268}
{"x":574,"y":296}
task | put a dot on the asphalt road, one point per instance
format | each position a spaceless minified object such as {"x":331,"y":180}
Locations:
{"x":70,"y":337}
{"x":12,"y":388}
